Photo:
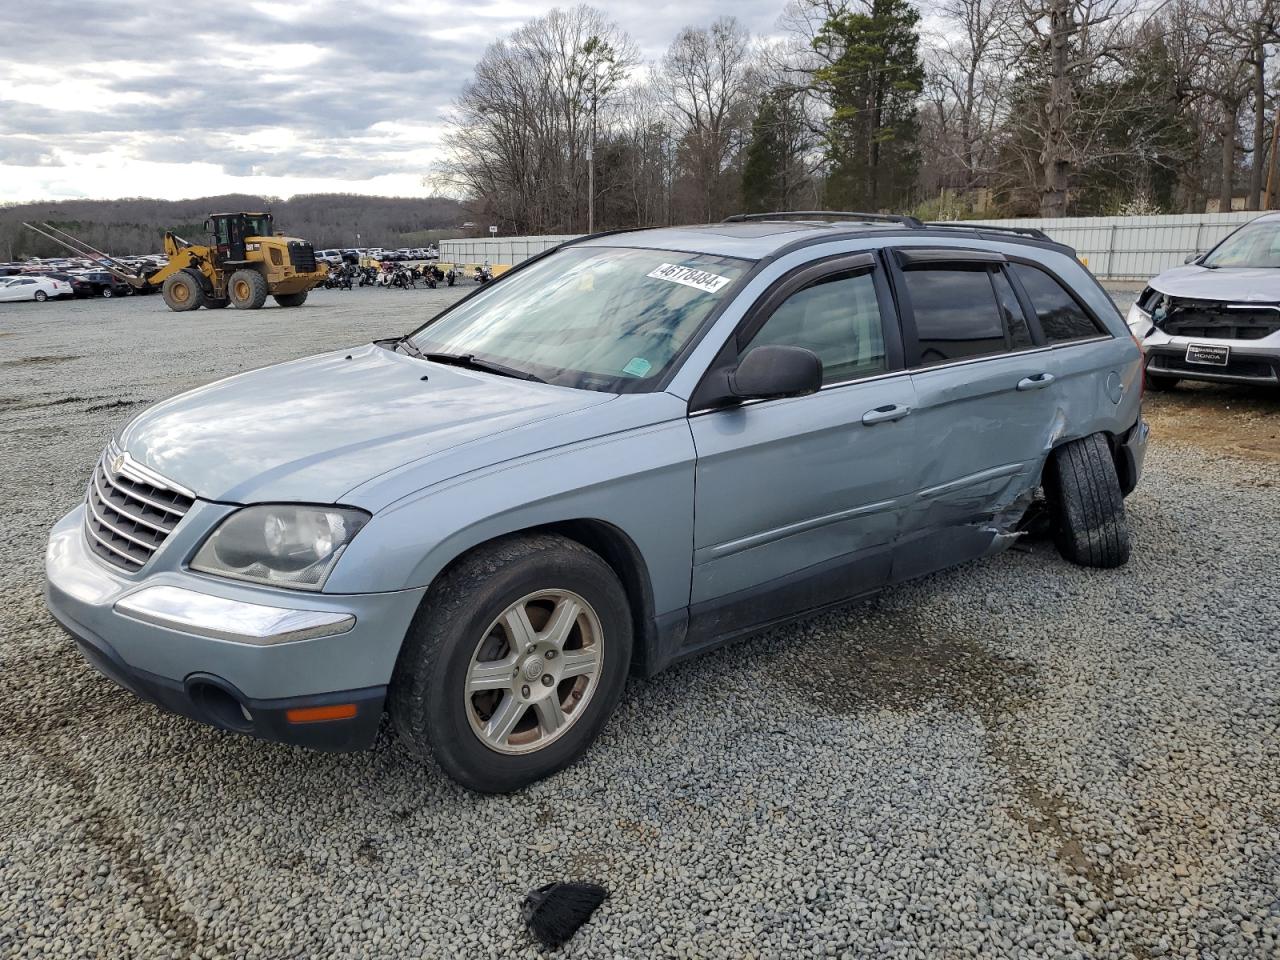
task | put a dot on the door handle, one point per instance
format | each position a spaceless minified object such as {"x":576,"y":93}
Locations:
{"x":1036,"y":382}
{"x":886,"y":414}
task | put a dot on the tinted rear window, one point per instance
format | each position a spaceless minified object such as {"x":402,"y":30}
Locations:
{"x":955,"y":313}
{"x":1061,"y":318}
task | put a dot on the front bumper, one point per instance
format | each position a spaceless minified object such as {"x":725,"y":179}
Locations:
{"x":1250,"y":361}
{"x":239,"y":672}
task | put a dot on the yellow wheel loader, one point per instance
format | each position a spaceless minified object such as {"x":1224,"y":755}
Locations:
{"x":244,"y":262}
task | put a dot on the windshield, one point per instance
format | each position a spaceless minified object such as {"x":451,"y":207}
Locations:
{"x":258,"y":226}
{"x":1256,"y":244}
{"x":597,"y":318}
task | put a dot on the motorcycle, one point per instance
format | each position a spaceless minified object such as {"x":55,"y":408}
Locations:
{"x":483,"y":274}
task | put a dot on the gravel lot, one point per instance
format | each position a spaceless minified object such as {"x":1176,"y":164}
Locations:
{"x":1016,"y":757}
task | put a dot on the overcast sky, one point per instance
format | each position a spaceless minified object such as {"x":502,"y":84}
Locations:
{"x":124,"y":98}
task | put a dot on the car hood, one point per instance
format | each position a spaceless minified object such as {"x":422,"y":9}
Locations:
{"x":313,"y":429}
{"x":1234,"y":284}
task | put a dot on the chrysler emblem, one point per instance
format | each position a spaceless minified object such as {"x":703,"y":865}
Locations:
{"x":118,"y":463}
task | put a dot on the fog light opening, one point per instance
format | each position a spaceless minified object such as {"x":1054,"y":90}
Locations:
{"x":220,"y":707}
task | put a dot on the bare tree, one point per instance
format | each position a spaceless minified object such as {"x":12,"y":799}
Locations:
{"x":521,"y":129}
{"x":1076,"y":43}
{"x":969,"y":73}
{"x":705,"y":76}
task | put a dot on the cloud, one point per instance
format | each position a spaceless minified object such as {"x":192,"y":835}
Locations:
{"x":130,"y":98}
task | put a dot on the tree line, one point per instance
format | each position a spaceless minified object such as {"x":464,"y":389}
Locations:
{"x":137,"y":226}
{"x":1000,"y":108}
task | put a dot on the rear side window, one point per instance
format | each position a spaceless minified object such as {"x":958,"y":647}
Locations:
{"x":1019,"y":333}
{"x":1061,"y":318}
{"x":838,"y":318}
{"x":956,"y":314}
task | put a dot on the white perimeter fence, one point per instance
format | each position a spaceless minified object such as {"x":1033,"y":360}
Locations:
{"x":1115,"y":248}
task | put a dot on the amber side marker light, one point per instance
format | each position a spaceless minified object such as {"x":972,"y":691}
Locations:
{"x":338,"y":711}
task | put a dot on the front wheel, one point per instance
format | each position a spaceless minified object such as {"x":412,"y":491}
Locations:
{"x":183,"y":291}
{"x":515,"y":661}
{"x":247,"y":290}
{"x":106,"y":293}
{"x":291,"y":299}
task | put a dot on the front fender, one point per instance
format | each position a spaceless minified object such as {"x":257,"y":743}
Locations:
{"x":638,"y":480}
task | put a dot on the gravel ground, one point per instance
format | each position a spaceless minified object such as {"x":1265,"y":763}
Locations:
{"x":1012,"y":758}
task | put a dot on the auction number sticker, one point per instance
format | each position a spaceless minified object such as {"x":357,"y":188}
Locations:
{"x":698,"y":279}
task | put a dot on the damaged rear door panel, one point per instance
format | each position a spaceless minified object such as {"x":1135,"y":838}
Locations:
{"x":986,"y":398}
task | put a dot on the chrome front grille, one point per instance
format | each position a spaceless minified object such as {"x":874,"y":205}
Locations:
{"x":130,"y":511}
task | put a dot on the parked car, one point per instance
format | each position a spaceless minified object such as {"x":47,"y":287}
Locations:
{"x":332,"y":257}
{"x":81,"y":288}
{"x":37,"y":288}
{"x":615,"y":456}
{"x":1217,"y":318}
{"x":106,"y":284}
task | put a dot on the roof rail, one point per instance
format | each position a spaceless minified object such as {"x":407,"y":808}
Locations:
{"x":825,"y":215}
{"x":1033,"y":232}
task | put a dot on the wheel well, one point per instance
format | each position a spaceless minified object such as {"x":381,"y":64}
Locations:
{"x":1113,"y":444}
{"x":620,"y":552}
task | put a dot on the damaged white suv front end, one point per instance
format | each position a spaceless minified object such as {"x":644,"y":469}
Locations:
{"x":1217,"y":318}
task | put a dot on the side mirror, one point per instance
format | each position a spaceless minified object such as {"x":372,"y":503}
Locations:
{"x":1192,"y":258}
{"x":776,"y":371}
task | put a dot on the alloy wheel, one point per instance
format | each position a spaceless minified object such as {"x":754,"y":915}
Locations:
{"x":534,"y":671}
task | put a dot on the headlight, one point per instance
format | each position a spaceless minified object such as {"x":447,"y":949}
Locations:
{"x":281,"y":545}
{"x":1139,"y":322}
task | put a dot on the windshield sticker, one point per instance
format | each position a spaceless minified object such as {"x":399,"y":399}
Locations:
{"x":637,"y":366}
{"x":698,"y":279}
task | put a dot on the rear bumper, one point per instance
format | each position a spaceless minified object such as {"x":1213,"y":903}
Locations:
{"x":1131,"y":453}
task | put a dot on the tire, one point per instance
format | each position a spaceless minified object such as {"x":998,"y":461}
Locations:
{"x":106,"y":293}
{"x":1086,"y":505}
{"x":247,"y":290}
{"x":1156,"y":383}
{"x":40,"y":296}
{"x":459,"y":627}
{"x":291,"y":299}
{"x":212,"y":304}
{"x":183,"y":291}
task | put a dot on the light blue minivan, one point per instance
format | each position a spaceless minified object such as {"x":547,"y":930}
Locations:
{"x":625,"y":451}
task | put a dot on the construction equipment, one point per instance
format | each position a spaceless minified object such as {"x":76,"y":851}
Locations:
{"x":244,"y":262}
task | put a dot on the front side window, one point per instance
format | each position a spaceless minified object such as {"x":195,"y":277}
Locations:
{"x":1256,"y":244}
{"x":1061,"y":318}
{"x":597,"y":318}
{"x":956,"y":314}
{"x":838,"y":318}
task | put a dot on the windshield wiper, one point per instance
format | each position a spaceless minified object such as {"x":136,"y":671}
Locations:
{"x":472,"y":362}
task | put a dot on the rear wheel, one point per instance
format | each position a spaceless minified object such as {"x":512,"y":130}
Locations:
{"x":247,"y":290}
{"x":1086,"y":503}
{"x":183,"y":291}
{"x":291,"y":299}
{"x":40,"y":296}
{"x":106,"y":293}
{"x":514,"y":663}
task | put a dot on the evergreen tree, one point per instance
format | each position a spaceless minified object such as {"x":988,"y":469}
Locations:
{"x":764,"y":172}
{"x":871,"y":76}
